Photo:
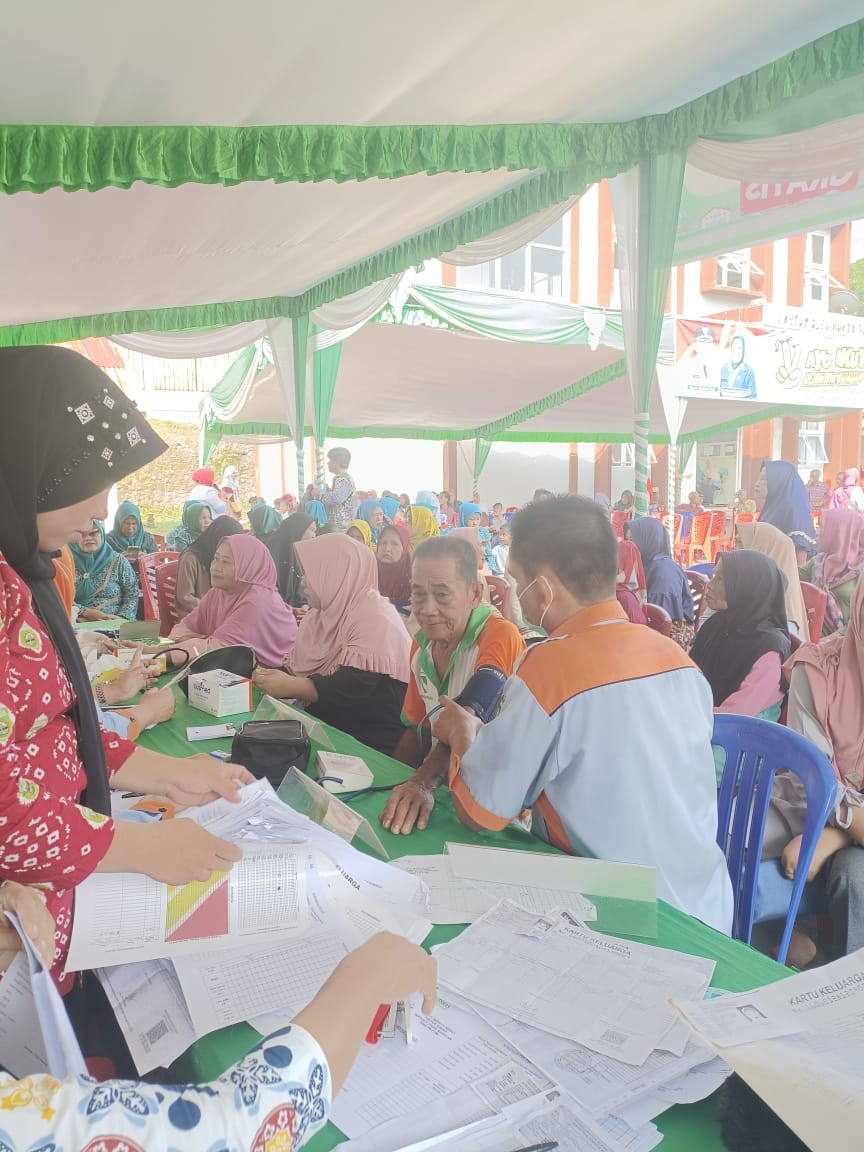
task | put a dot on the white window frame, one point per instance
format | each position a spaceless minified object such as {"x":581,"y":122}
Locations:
{"x":740,"y":263}
{"x":811,"y":444}
{"x":495,"y":267}
{"x":818,"y":280}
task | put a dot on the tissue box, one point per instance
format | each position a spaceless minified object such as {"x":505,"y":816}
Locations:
{"x":220,"y":693}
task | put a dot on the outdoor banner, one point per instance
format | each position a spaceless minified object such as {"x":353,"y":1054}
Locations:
{"x":812,"y":361}
{"x":722,"y":215}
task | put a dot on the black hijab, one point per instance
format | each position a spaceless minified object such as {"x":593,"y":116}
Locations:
{"x":281,"y":545}
{"x":67,"y":433}
{"x":207,"y":543}
{"x":730,"y":642}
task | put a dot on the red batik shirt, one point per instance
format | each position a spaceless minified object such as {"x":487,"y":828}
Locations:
{"x":46,"y":836}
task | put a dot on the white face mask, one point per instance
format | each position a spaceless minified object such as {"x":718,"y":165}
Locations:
{"x":519,"y":595}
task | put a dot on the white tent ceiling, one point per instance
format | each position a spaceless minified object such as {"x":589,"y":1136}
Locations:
{"x":114,"y":226}
{"x":413,"y":381}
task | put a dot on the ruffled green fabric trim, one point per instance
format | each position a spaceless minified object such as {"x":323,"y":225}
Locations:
{"x":802,"y":74}
{"x":34,"y":158}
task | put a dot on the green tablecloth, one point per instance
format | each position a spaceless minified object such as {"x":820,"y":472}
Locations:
{"x":691,"y":1128}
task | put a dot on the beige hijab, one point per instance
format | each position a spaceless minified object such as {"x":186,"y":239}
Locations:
{"x":774,"y":543}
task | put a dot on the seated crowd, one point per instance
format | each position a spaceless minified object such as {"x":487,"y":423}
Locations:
{"x":503,"y":656}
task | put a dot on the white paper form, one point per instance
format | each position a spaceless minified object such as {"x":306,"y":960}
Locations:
{"x":123,"y":918}
{"x":557,"y":975}
{"x":241,"y":984}
{"x":22,"y":1049}
{"x":457,"y":1069}
{"x":812,"y":1079}
{"x":261,"y":816}
{"x":61,"y":1043}
{"x":458,"y":901}
{"x":549,"y":1117}
{"x":150,"y":1008}
{"x":598,"y":1083}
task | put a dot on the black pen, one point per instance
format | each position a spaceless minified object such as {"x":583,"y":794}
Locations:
{"x":549,"y":1146}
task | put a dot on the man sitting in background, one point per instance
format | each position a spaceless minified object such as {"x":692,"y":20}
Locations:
{"x":590,"y":733}
{"x":463,"y":650}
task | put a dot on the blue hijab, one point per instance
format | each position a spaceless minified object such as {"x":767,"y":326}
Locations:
{"x":92,"y":568}
{"x":787,"y":506}
{"x":466,"y":511}
{"x":365,"y":510}
{"x":139,"y":539}
{"x":428,"y":499}
{"x":316,"y":509}
{"x":390,"y":507}
{"x":667,"y":584}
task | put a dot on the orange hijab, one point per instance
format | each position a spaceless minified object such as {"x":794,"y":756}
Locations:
{"x":64,"y":577}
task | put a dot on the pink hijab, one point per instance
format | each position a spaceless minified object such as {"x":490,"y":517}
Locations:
{"x":840,"y":497}
{"x":355,"y":627}
{"x":252,"y":611}
{"x":835,"y":671}
{"x":841,"y":539}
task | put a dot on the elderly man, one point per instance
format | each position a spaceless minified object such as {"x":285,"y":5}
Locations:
{"x":605,"y":729}
{"x":464,"y":650}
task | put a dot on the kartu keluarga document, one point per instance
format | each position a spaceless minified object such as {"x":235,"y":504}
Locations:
{"x":809,"y":1068}
{"x":22,"y":1049}
{"x":123,"y":918}
{"x":556,"y":974}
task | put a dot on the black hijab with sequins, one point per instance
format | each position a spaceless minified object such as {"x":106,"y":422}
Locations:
{"x":67,"y":432}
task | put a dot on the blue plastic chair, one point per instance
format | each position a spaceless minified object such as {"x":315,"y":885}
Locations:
{"x":705,"y":569}
{"x":755,"y":751}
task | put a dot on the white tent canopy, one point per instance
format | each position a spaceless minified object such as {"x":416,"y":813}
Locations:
{"x":219,"y":166}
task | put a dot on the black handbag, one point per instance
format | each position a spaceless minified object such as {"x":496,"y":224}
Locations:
{"x":268,"y":748}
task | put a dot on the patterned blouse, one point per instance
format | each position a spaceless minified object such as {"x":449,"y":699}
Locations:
{"x":119,"y":597}
{"x":272,"y":1100}
{"x":47,"y":837}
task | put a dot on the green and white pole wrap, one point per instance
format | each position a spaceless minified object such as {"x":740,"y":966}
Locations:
{"x":640,"y":439}
{"x":301,"y":471}
{"x":672,"y":480}
{"x":320,"y":476}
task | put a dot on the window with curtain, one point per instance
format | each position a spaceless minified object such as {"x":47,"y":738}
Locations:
{"x":541,"y":268}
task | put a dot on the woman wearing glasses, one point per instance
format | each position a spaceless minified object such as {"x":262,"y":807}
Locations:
{"x":106,"y":587}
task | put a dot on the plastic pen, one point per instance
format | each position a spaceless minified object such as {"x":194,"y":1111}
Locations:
{"x":549,"y":1146}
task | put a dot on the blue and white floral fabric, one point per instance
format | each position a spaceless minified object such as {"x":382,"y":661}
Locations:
{"x":272,"y":1100}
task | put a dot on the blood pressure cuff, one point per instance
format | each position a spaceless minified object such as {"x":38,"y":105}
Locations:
{"x":482,"y":693}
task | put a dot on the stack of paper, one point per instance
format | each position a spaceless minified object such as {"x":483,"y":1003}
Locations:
{"x":799,"y":1044}
{"x":254,"y":944}
{"x":545,"y":1031}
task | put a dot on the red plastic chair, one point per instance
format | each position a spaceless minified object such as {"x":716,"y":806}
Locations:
{"x":159,"y":541}
{"x":698,"y":582}
{"x":717,"y":533}
{"x":700,"y":531}
{"x":658,"y":619}
{"x":619,"y":521}
{"x":166,"y":585}
{"x":499,"y":594}
{"x":147,"y":566}
{"x":815,"y":601}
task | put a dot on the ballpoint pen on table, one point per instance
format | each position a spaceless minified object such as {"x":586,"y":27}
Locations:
{"x":547,"y":1146}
